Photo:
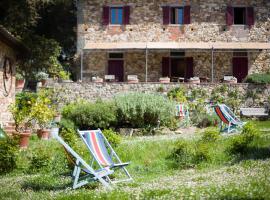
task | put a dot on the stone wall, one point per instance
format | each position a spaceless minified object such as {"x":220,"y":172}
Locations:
{"x":208,"y":22}
{"x":70,"y":92}
{"x":7,"y":95}
{"x":96,"y":64}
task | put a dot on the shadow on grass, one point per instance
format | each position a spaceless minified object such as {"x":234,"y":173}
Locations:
{"x":38,"y":186}
{"x":254,"y":153}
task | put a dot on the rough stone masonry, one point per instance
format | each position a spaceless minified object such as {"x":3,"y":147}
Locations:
{"x":208,"y":24}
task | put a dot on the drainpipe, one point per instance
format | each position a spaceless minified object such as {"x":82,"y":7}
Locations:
{"x":81,"y":73}
{"x":212,"y":67}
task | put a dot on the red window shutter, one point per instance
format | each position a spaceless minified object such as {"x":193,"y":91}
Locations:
{"x":250,"y":16}
{"x":187,"y":15}
{"x":165,"y":67}
{"x":229,"y":16}
{"x":126,"y":15}
{"x":166,"y":15}
{"x":106,"y":15}
{"x":189,"y":69}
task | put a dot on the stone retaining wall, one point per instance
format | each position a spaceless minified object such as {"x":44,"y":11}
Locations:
{"x":70,"y":92}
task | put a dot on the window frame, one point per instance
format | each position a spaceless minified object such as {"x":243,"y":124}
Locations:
{"x":110,"y":15}
{"x":245,"y":19}
{"x":173,"y":9}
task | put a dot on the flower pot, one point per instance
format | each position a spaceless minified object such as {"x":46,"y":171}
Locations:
{"x":54,"y":132}
{"x":44,"y":81}
{"x":57,"y":118}
{"x":164,"y":80}
{"x":98,"y":80}
{"x":43,"y":134}
{"x":20,"y":84}
{"x":24,"y":139}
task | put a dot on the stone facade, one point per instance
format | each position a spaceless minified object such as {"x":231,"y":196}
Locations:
{"x":69,"y":92}
{"x":7,"y":90}
{"x":208,"y":24}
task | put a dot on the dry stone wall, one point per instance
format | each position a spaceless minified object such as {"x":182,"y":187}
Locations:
{"x":71,"y":92}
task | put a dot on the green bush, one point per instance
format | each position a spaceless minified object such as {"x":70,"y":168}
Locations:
{"x":210,"y":135}
{"x":41,"y":160}
{"x":240,"y":143}
{"x":258,"y":78}
{"x":206,"y":120}
{"x":8,"y":154}
{"x":113,"y":138}
{"x":183,"y":154}
{"x":87,"y":115}
{"x":67,"y":130}
{"x":140,"y":110}
{"x":178,"y":94}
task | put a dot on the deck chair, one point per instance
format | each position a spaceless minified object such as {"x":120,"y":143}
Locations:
{"x":229,"y":122}
{"x":83,"y":173}
{"x":102,"y":153}
{"x":182,"y":112}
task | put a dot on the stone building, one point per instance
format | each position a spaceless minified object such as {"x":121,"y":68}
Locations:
{"x":173,"y":38}
{"x":10,"y":51}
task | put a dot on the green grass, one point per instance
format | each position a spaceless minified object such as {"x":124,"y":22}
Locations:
{"x":224,"y":177}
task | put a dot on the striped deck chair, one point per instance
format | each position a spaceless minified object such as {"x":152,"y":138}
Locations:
{"x":102,"y":153}
{"x":83,"y":173}
{"x":182,"y":112}
{"x":229,"y":122}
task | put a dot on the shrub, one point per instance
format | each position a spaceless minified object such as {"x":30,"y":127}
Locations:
{"x":42,"y":159}
{"x":202,"y":152}
{"x":87,"y":115}
{"x":112,"y":137}
{"x":67,"y":131}
{"x":8,"y":154}
{"x":210,"y":135}
{"x":240,"y":143}
{"x":183,"y":154}
{"x":258,"y":78}
{"x":143,"y":110}
{"x":178,"y":94}
{"x":207,"y":120}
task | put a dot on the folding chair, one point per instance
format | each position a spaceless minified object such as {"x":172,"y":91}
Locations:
{"x":182,"y":112}
{"x":229,"y":122}
{"x":102,"y":153}
{"x":90,"y":175}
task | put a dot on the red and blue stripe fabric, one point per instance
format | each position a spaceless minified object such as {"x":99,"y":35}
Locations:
{"x":180,"y":112}
{"x":221,"y":115}
{"x":95,"y":141}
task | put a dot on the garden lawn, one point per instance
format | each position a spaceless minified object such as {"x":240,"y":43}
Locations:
{"x":155,"y":176}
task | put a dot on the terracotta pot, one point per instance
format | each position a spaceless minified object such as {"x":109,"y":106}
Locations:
{"x":20,"y":84}
{"x":24,"y":139}
{"x":43,"y":134}
{"x":44,"y":81}
{"x":133,"y":81}
{"x":98,"y":80}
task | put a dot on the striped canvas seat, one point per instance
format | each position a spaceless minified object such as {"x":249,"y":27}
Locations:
{"x":102,"y":152}
{"x":227,"y":117}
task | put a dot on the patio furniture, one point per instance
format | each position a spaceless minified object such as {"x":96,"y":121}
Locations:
{"x":229,"y":122}
{"x":132,"y":79}
{"x":182,"y":112}
{"x":109,"y":78}
{"x":103,"y":154}
{"x":229,"y":79}
{"x":164,"y":80}
{"x":83,"y":173}
{"x":97,"y":79}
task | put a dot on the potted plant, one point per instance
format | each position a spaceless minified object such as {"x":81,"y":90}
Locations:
{"x":43,"y":113}
{"x":164,"y":80}
{"x":64,"y":76}
{"x":42,"y":78}
{"x":19,"y":81}
{"x":21,"y":111}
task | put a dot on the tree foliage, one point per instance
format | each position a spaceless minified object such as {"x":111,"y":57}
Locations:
{"x":47,"y":28}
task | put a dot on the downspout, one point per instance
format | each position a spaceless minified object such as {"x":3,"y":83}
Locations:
{"x":212,"y":67}
{"x":81,"y":73}
{"x":146,"y":64}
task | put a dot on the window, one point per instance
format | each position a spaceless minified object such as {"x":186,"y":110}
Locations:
{"x":239,"y":15}
{"x":177,"y":15}
{"x":115,"y":55}
{"x":177,"y":54}
{"x":116,"y":15}
{"x":240,"y":53}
